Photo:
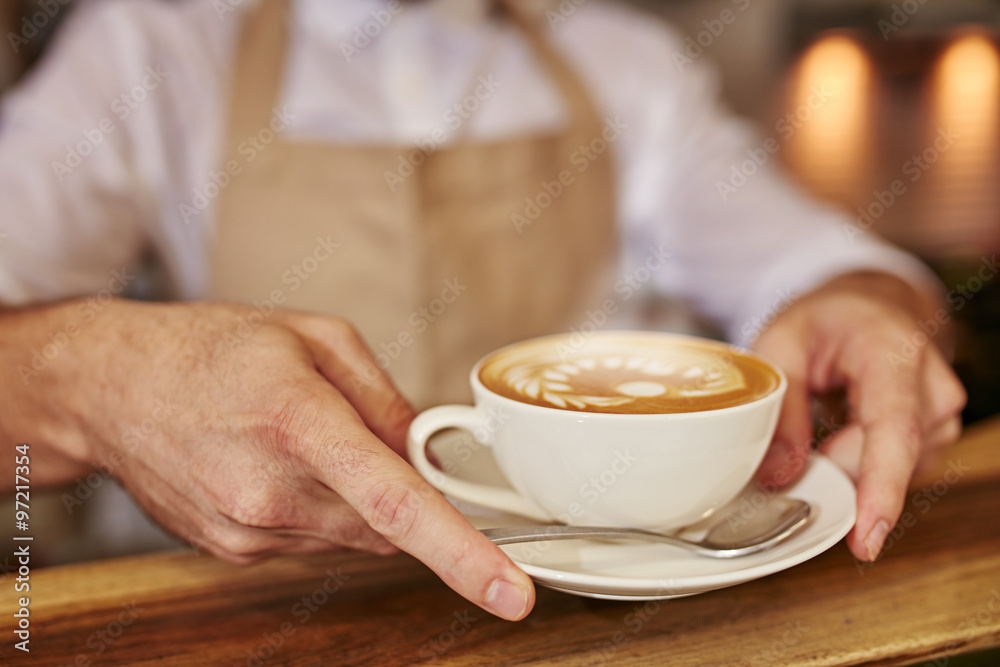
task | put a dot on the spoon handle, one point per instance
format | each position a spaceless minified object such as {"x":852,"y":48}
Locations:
{"x":793,"y":522}
{"x":518,"y":535}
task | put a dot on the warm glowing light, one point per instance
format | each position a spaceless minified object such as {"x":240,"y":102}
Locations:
{"x":830,"y":112}
{"x":967,"y":90}
{"x":962,"y":192}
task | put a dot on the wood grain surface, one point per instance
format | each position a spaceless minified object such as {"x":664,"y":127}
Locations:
{"x":934,"y":594}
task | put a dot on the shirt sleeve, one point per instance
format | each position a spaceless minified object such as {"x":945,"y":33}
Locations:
{"x":705,"y":188}
{"x":750,"y":241}
{"x":70,"y":206}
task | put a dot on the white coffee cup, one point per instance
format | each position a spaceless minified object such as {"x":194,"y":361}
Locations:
{"x":652,"y":471}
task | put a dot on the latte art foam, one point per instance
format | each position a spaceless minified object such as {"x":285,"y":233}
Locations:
{"x":627,"y":373}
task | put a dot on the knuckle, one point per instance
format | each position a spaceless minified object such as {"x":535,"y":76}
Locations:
{"x":237,"y":559}
{"x":951,"y":432}
{"x":348,"y":459}
{"x":462,"y":559}
{"x":233,"y":543}
{"x":958,"y":397}
{"x":399,"y":413}
{"x":353,"y":532}
{"x":393,"y":510}
{"x":341,"y":329}
{"x":284,"y":425}
{"x":263,"y":509}
{"x":910,"y":431}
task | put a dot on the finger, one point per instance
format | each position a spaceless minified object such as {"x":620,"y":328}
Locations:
{"x":887,"y":402}
{"x":844,"y":449}
{"x":400,"y":505}
{"x":326,"y":516}
{"x":935,"y":441}
{"x":944,"y":394}
{"x":347,"y":363}
{"x":207,"y":531}
{"x":944,"y":435}
{"x":244,"y":529}
{"x":173,"y":510}
{"x":788,"y":454}
{"x":211,"y":531}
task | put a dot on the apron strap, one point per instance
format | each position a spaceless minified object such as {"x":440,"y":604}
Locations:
{"x":258,"y":70}
{"x":580,"y":106}
{"x":259,"y":67}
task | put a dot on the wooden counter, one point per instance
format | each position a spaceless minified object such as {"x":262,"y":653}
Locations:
{"x":934,"y":594}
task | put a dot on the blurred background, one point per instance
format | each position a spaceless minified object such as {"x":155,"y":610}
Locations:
{"x":889,"y":109}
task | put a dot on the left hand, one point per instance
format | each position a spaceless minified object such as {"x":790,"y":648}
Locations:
{"x":859,"y":332}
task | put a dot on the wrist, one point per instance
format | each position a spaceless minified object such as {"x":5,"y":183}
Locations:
{"x":53,"y":364}
{"x":928,"y":311}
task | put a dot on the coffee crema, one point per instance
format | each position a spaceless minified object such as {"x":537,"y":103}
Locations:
{"x":632,"y":373}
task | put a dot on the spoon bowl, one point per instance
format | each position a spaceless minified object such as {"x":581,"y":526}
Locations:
{"x":731,"y":536}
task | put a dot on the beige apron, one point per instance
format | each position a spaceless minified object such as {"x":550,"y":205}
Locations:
{"x":436,"y":271}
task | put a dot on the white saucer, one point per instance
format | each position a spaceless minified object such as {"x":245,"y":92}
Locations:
{"x":635,"y":571}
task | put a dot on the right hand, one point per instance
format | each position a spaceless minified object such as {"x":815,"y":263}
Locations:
{"x":264,"y":444}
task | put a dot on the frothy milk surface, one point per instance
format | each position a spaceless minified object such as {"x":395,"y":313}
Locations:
{"x":627,"y":374}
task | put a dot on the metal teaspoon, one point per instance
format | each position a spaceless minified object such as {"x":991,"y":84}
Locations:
{"x":731,"y":536}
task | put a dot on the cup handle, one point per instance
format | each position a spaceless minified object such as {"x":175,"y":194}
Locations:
{"x":468,"y":418}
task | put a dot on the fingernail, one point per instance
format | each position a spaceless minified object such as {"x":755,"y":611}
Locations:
{"x":506,"y":599}
{"x":875,"y":540}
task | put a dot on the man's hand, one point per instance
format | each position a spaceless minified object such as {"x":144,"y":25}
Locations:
{"x":246,"y":442}
{"x":902,"y":406}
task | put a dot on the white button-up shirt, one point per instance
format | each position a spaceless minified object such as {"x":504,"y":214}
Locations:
{"x":109,"y":148}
